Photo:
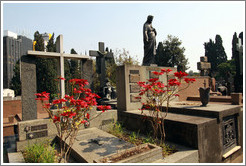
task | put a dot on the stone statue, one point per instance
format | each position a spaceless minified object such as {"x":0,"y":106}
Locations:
{"x":107,"y":90}
{"x":149,"y":38}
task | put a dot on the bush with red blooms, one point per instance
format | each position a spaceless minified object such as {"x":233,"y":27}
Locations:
{"x":73,"y":111}
{"x":154,"y":94}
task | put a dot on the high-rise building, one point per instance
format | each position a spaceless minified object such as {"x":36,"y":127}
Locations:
{"x":14,"y":47}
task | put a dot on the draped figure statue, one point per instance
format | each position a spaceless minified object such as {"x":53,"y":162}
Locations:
{"x":149,"y":38}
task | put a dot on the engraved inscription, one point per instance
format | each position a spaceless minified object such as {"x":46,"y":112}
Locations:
{"x":229,"y":133}
{"x":108,"y":121}
{"x":134,"y":78}
{"x":39,"y":127}
{"x":37,"y":134}
{"x":134,"y":88}
{"x":152,"y":75}
{"x":134,"y":71}
{"x":133,"y":99}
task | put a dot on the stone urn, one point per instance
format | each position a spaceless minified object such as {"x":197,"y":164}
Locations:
{"x":204,"y":95}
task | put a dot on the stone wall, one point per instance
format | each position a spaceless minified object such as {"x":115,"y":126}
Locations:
{"x":192,"y":90}
{"x":13,"y":107}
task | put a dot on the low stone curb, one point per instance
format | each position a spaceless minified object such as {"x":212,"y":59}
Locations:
{"x":16,"y":157}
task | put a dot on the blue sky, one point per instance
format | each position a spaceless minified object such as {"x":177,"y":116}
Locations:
{"x":119,"y":24}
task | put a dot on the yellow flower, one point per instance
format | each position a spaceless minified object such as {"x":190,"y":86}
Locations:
{"x":50,"y":36}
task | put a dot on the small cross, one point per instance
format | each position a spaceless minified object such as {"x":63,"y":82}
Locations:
{"x":204,"y":83}
{"x":101,"y":56}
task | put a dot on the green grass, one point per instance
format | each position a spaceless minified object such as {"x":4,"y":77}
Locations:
{"x":134,"y":138}
{"x":167,"y":149}
{"x":40,"y":153}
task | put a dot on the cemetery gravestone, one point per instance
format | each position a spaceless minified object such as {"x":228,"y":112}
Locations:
{"x":34,"y":131}
{"x":127,"y":87}
{"x":102,"y":56}
{"x":203,"y":66}
{"x":92,"y":144}
{"x":28,"y":87}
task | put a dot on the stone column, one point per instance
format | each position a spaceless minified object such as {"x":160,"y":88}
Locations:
{"x":102,"y":65}
{"x":59,"y":49}
{"x":28,"y":87}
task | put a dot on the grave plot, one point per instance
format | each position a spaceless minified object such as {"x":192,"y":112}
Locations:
{"x":93,"y":143}
{"x":216,"y":129}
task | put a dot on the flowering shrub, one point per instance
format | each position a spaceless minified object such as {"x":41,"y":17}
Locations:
{"x":155,"y":94}
{"x":73,"y":111}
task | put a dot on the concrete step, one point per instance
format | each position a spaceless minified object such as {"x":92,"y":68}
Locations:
{"x":183,"y":155}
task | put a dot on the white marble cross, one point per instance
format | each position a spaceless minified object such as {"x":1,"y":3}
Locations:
{"x":59,"y":54}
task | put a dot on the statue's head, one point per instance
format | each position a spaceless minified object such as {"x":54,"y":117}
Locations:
{"x":150,"y":18}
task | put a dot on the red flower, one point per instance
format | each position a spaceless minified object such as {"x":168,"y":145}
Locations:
{"x":61,"y":78}
{"x":138,"y":97}
{"x":104,"y":107}
{"x":42,"y":96}
{"x":72,"y":114}
{"x":76,"y":91}
{"x":141,"y":84}
{"x":153,"y":79}
{"x":180,"y":74}
{"x":47,"y":105}
{"x":167,"y":71}
{"x":87,"y":116}
{"x":176,"y":95}
{"x":56,"y":119}
{"x":141,"y":93}
{"x":189,"y":80}
{"x":62,"y":100}
{"x":80,"y":82}
{"x":157,"y":73}
{"x":173,"y":82}
{"x":84,"y":121}
{"x":69,"y":114}
{"x":56,"y":101}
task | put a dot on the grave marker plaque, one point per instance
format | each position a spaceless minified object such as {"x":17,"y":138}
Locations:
{"x":38,"y":134}
{"x":134,"y":88}
{"x":134,"y":71}
{"x":39,"y":127}
{"x":134,"y":78}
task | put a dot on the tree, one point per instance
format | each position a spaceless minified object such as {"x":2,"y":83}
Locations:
{"x":226,"y":69}
{"x":215,"y":53}
{"x":121,"y":57}
{"x":39,"y":46}
{"x":16,"y":82}
{"x":46,"y":68}
{"x":171,"y":54}
{"x":75,"y":68}
{"x":234,"y":44}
